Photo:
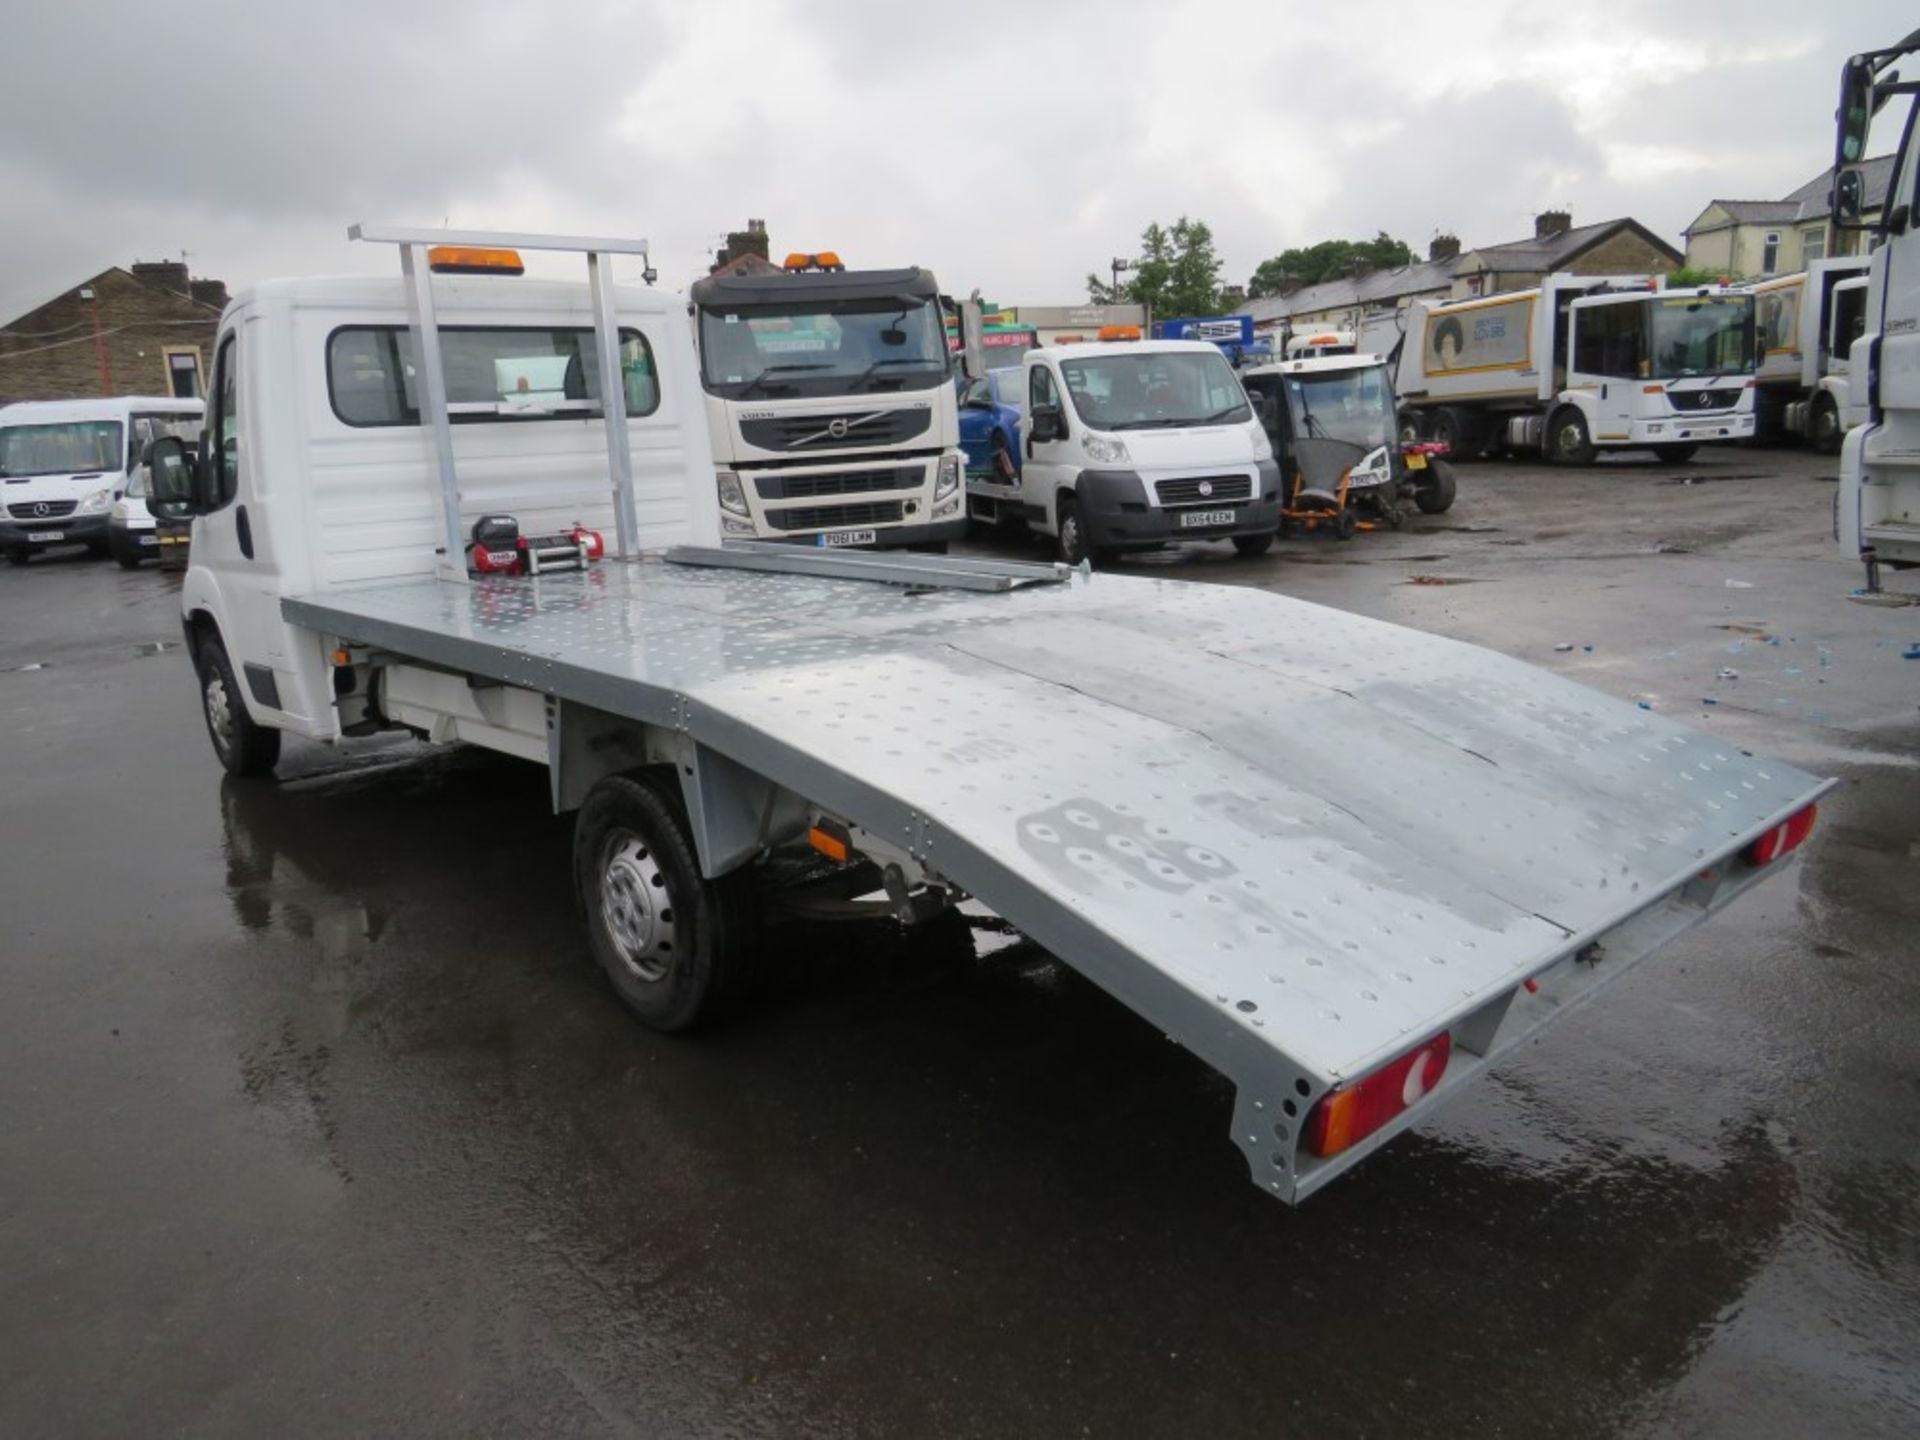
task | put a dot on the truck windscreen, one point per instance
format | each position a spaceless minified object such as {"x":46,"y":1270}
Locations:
{"x":1702,"y":335}
{"x":64,"y":449}
{"x":1155,"y":389}
{"x":893,"y":343}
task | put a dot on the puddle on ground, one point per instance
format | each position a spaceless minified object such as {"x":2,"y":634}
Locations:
{"x":156,"y":647}
{"x":1441,"y":580}
{"x":1704,"y":479}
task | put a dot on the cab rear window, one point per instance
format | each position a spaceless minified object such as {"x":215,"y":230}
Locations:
{"x":493,"y":373}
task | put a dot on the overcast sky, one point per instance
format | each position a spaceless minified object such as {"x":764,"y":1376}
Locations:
{"x":1010,"y":146}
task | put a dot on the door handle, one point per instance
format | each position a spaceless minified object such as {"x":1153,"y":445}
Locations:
{"x":243,"y":531}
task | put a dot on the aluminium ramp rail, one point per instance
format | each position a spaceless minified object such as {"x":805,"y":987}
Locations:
{"x":1298,"y":841}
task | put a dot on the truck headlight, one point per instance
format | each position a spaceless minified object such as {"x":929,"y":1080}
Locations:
{"x":732,"y":497}
{"x":948,"y":480}
{"x":1262,"y":446}
{"x":1106,"y":452}
{"x":96,"y":502}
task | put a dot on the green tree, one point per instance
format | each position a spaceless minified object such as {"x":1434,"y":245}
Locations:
{"x":1329,"y":260}
{"x":1177,"y":272}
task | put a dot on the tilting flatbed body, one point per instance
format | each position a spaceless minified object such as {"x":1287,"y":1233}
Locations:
{"x":1296,"y":840}
{"x":1347,"y":864}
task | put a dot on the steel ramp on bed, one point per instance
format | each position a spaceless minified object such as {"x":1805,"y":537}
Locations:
{"x":1298,"y":841}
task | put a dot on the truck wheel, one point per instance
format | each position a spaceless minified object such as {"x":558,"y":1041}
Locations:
{"x":1436,"y":496}
{"x":1343,"y":523}
{"x":674,"y":944}
{"x":1253,"y":545}
{"x":1568,"y":442}
{"x":1072,"y":536}
{"x":1454,"y":428}
{"x":127,"y":554}
{"x":1412,"y":428}
{"x":243,"y":747}
{"x":1823,"y":425}
{"x":1674,"y":454}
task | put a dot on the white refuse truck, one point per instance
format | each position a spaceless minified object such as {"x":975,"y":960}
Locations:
{"x":1347,"y":864}
{"x":1806,"y":324}
{"x":1877,"y":519}
{"x":1583,"y":363}
{"x":831,"y":405}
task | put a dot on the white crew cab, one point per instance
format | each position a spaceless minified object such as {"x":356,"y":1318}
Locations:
{"x":1133,"y":445}
{"x":65,"y":466}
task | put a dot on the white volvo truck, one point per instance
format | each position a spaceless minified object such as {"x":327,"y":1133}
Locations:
{"x":1806,"y":325}
{"x":1877,"y":519}
{"x":831,"y":405}
{"x":1349,"y":865}
{"x":1583,"y":363}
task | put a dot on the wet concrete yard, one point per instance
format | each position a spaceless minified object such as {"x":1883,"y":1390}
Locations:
{"x":316,"y":1117}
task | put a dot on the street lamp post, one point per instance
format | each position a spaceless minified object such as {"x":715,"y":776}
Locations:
{"x":1118,"y":266}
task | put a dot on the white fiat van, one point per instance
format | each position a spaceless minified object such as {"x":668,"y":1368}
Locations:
{"x":1132,"y":445}
{"x":65,"y":463}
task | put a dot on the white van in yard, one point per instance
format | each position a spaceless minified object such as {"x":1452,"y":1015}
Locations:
{"x":65,"y":466}
{"x":1132,"y":445}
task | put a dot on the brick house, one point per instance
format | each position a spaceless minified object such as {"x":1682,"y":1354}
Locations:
{"x":1759,"y":238}
{"x":143,"y":330}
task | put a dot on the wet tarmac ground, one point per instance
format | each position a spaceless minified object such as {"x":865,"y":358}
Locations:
{"x":316,"y":1118}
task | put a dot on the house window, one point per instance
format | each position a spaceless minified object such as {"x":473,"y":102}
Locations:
{"x":183,"y":374}
{"x":1813,"y":246}
{"x":1770,"y":253}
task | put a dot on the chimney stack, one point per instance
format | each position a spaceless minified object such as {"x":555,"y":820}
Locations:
{"x":1549,"y":223}
{"x":1443,"y":247}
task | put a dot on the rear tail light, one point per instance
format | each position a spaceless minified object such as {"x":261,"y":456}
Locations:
{"x":1782,"y":839}
{"x":1347,"y":1115}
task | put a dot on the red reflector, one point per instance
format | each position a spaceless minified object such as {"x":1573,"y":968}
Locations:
{"x":1346,"y":1116}
{"x":1782,"y":839}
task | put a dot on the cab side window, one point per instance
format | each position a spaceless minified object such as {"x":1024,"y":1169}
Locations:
{"x":1040,"y":387}
{"x":224,"y":429}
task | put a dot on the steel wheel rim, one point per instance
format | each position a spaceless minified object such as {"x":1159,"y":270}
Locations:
{"x":636,"y":907}
{"x":219,"y":711}
{"x":1570,"y":439}
{"x":1070,"y":535}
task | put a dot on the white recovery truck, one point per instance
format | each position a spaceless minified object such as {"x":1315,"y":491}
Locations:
{"x":1807,"y":323}
{"x":831,"y":405}
{"x":1583,"y":363}
{"x":1347,"y":864}
{"x":1877,"y":520}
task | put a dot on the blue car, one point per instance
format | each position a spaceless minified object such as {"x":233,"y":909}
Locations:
{"x":990,"y":410}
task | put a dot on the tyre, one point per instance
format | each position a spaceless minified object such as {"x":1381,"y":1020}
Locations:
{"x":122,"y":550}
{"x":243,"y":747}
{"x":1436,"y":496}
{"x":1253,"y":545}
{"x":1568,"y":442}
{"x":1071,"y":534}
{"x":18,"y":555}
{"x":1454,"y":428}
{"x":1674,"y":454}
{"x":1344,"y":523}
{"x":1412,"y":427}
{"x":1823,"y":425}
{"x":674,"y":945}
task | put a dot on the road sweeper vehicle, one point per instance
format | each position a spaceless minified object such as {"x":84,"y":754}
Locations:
{"x":1578,"y":365}
{"x":1331,"y":419}
{"x":1347,"y":864}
